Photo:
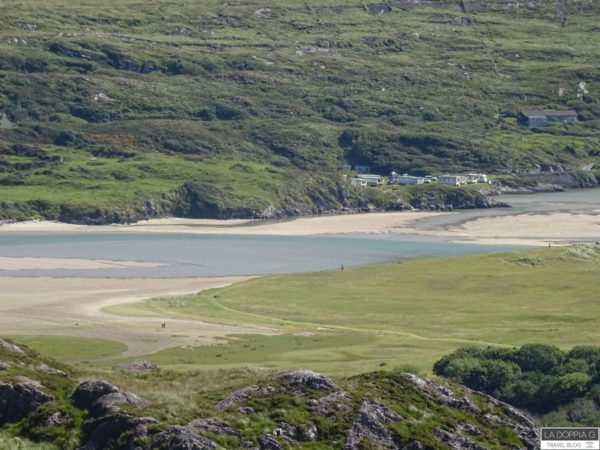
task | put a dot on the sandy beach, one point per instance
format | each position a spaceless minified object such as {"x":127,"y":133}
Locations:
{"x":72,"y":307}
{"x":519,"y":229}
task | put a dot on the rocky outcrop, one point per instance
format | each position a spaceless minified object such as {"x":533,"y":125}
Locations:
{"x":19,"y":399}
{"x":214,"y":425}
{"x":139,"y":365}
{"x":332,"y":404}
{"x":293,"y":434}
{"x":371,"y":425}
{"x":4,"y":365}
{"x":88,"y":392}
{"x":303,"y":380}
{"x":112,"y":402}
{"x":442,"y":394}
{"x":10,"y":347}
{"x":243,"y":394}
{"x":455,"y":440}
{"x":100,"y":397}
{"x":45,"y":368}
{"x":125,"y":428}
{"x":181,"y":438}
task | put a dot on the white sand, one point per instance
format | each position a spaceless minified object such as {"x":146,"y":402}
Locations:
{"x":526,"y":229}
{"x":531,"y":229}
{"x":374,"y":223}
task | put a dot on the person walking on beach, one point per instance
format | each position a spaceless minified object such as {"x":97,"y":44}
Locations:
{"x":163,"y":324}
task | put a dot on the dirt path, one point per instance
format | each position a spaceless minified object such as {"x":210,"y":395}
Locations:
{"x":72,"y":307}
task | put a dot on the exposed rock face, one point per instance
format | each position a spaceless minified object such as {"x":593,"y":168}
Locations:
{"x":19,"y":399}
{"x":306,"y":379}
{"x":332,"y":404}
{"x":442,"y":394}
{"x":213,"y":425}
{"x":456,"y":441}
{"x":88,"y":392}
{"x":111,"y":429}
{"x":12,"y":348}
{"x":181,"y":438}
{"x":291,"y":434}
{"x":100,"y":397}
{"x":241,"y":395}
{"x":371,"y":425}
{"x":57,"y":419}
{"x":522,"y":424}
{"x":269,"y":443}
{"x":4,"y":365}
{"x":108,"y":403}
{"x":139,"y":365}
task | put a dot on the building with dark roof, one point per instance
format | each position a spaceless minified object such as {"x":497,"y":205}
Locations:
{"x":542,"y":117}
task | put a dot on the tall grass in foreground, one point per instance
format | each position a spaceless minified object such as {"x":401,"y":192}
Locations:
{"x":14,"y":443}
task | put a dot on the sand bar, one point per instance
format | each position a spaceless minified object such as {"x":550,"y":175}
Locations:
{"x":7,"y":263}
{"x":522,"y":229}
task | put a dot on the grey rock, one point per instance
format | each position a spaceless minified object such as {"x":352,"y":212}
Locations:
{"x":181,"y":438}
{"x":371,"y":425}
{"x":243,"y":394}
{"x":455,"y":441}
{"x":4,"y":365}
{"x":214,"y":425}
{"x":269,"y":443}
{"x":57,"y":419}
{"x":332,"y":404}
{"x":19,"y":399}
{"x":467,"y":428}
{"x":292,"y":434}
{"x":10,"y":347}
{"x":522,"y":424}
{"x":44,"y":368}
{"x":246,"y":410}
{"x":88,"y":392}
{"x":303,"y":380}
{"x":28,"y":381}
{"x":110,"y":430}
{"x":108,"y":403}
{"x":441,"y":394}
{"x":139,"y":365}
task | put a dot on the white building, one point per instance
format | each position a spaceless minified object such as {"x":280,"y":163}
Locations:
{"x":406,"y":179}
{"x":452,"y":180}
{"x":371,"y":179}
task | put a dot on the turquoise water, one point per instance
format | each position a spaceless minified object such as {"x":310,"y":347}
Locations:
{"x":187,"y":255}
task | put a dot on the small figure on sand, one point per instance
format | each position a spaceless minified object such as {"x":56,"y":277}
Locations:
{"x":163,"y":324}
{"x":342,"y":268}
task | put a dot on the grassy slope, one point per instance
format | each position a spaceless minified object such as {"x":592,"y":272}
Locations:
{"x":396,"y":314}
{"x":179,"y":397}
{"x":264,"y":109}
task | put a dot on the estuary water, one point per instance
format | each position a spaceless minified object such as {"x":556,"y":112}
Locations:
{"x":207,"y":255}
{"x":197,"y":255}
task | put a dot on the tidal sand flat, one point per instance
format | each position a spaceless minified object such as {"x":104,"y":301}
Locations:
{"x":71,"y":307}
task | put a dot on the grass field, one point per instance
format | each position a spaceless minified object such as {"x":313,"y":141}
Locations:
{"x":408,"y":313}
{"x":73,"y":349}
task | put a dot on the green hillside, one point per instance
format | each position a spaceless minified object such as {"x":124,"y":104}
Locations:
{"x":48,"y":406}
{"x":210,"y":109}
